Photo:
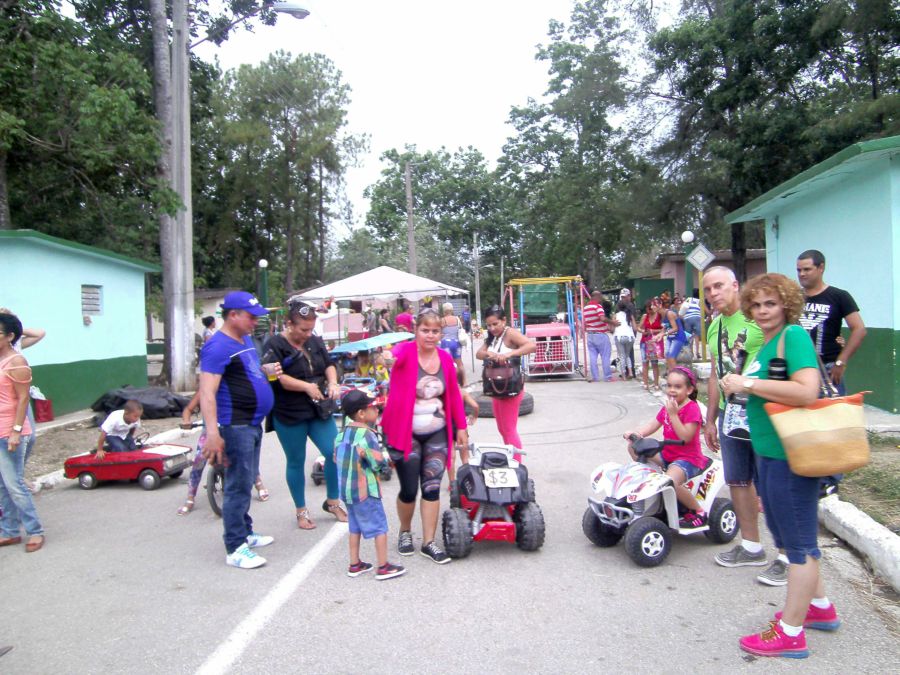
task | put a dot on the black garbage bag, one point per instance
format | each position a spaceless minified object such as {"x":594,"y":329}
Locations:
{"x":158,"y":402}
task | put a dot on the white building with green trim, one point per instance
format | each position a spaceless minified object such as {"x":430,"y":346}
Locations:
{"x":91,"y":303}
{"x":848,"y":207}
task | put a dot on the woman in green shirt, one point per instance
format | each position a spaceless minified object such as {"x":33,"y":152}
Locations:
{"x":790,"y":501}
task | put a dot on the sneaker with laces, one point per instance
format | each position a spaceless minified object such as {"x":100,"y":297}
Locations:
{"x":774,"y":575}
{"x":434,"y":552}
{"x":244,"y":558}
{"x":739,"y":557}
{"x":405,"y":544}
{"x":773,"y":642}
{"x":359,"y":568}
{"x":389,"y":571}
{"x":820,"y":619}
{"x":692,"y":521}
{"x":256,"y":540}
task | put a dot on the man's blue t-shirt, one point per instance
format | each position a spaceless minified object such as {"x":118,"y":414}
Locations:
{"x":244,"y":395}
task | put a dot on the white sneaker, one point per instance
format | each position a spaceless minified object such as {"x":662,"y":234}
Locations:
{"x":259,"y":540}
{"x":244,"y":558}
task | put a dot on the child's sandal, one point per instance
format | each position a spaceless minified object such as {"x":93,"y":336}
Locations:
{"x":186,"y":508}
{"x":335,"y":510}
{"x":262,"y":492}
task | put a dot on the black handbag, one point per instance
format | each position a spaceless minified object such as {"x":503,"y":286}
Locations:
{"x":502,"y":380}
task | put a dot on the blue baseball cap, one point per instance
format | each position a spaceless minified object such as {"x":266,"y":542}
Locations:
{"x":245,"y":301}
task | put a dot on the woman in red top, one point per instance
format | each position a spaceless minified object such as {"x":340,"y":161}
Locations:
{"x":652,"y":335}
{"x":423,"y":418}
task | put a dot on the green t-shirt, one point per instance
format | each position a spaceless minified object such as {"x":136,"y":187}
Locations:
{"x":736,"y":328}
{"x":799,"y":353}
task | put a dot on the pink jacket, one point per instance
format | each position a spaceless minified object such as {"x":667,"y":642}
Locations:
{"x":398,"y":413}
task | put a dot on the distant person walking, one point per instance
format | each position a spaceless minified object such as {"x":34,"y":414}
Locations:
{"x":597,"y":327}
{"x":624,"y":334}
{"x":450,"y":328}
{"x":652,"y":335}
{"x":690,"y":316}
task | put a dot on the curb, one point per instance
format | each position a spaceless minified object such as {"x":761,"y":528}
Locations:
{"x":877,"y":544}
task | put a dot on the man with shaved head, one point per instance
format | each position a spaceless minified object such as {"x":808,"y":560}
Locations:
{"x":733,"y":341}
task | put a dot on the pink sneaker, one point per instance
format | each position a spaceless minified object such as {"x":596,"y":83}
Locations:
{"x":820,"y":619}
{"x":773,"y":642}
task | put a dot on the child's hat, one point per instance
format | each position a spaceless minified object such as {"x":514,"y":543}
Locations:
{"x":356,"y":400}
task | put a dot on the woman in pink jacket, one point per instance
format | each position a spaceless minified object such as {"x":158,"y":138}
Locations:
{"x":423,"y":417}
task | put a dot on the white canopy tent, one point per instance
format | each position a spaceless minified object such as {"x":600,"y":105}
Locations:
{"x":382,"y":283}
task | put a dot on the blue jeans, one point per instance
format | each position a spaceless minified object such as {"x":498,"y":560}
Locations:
{"x":598,"y":345}
{"x":791,"y":506}
{"x":15,"y":498}
{"x":242,"y":443}
{"x":117,"y":444}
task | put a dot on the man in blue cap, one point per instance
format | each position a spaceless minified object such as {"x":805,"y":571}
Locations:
{"x":235,"y":397}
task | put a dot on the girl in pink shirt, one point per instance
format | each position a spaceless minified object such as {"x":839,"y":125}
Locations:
{"x":680,"y":419}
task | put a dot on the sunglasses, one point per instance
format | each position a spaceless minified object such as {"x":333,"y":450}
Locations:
{"x":302,"y":309}
{"x":427,"y":310}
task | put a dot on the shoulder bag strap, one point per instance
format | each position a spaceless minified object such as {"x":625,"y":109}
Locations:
{"x":719,"y":349}
{"x":826,"y":385}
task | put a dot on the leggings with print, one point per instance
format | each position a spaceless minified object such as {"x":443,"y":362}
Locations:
{"x":426,"y":464}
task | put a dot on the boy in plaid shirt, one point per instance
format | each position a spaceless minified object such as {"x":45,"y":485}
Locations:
{"x":359,"y":460}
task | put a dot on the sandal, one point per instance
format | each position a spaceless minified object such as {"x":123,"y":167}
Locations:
{"x":187,"y":507}
{"x":304,"y":522}
{"x":33,"y":545}
{"x":335,"y":510}
{"x":261,"y":491}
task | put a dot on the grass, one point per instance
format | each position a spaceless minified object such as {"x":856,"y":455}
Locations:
{"x":876,"y":488}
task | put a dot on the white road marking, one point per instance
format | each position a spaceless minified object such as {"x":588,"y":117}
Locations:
{"x":235,"y":644}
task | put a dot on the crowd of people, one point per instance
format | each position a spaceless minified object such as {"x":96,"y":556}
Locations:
{"x":293,"y":390}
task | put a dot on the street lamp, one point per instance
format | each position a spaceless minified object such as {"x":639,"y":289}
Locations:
{"x":687,"y":237}
{"x":264,"y":282}
{"x":177,"y":253}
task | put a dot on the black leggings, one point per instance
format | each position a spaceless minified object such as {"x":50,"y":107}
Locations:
{"x":426,"y":463}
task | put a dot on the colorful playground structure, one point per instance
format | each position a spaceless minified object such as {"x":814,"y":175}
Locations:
{"x":540,"y":312}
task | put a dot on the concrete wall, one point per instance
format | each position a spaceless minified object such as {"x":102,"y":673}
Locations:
{"x":76,"y":362}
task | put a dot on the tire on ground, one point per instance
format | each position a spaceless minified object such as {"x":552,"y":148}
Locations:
{"x":486,"y":409}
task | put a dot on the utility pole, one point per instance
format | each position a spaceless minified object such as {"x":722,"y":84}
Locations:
{"x":502,"y":285}
{"x":410,"y":228}
{"x":477,"y":283}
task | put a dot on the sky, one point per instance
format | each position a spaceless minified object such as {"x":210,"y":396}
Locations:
{"x":426,"y":73}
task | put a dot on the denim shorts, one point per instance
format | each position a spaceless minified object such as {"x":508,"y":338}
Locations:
{"x":674,"y":347}
{"x":791,"y":505}
{"x":692,"y":326}
{"x":738,"y":457}
{"x":689,"y":469}
{"x":452,"y":346}
{"x":367,"y":518}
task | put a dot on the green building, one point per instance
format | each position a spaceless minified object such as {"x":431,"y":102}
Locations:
{"x":848,"y":207}
{"x":91,"y":303}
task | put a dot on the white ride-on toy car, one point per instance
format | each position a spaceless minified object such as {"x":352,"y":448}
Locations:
{"x":637,"y":500}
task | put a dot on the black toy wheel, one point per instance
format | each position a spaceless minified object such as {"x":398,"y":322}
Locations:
{"x":317,"y":480}
{"x":454,"y":494}
{"x":599,"y":532}
{"x":87,"y":480}
{"x":457,"y":530}
{"x":531,"y":487}
{"x":387,"y":473}
{"x":149,"y":479}
{"x":648,"y":541}
{"x":177,"y":474}
{"x":486,"y":408}
{"x":723,"y":524}
{"x":215,"y":488}
{"x":529,"y":526}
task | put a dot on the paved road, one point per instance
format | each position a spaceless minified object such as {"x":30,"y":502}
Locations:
{"x":124,"y":585}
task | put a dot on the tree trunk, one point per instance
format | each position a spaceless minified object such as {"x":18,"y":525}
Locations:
{"x":5,"y":220}
{"x":162,"y":88}
{"x":322,"y":242}
{"x":739,"y":251}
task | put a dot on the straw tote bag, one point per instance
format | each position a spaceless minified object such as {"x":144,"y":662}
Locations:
{"x":826,"y":437}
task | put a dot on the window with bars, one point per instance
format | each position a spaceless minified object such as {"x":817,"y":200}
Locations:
{"x":91,"y":300}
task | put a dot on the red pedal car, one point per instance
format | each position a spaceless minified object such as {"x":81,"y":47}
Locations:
{"x":492,"y":499}
{"x":147,"y":465}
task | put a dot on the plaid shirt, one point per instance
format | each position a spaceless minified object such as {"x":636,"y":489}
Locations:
{"x":359,"y":459}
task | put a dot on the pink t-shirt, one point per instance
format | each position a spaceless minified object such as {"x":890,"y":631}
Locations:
{"x":689,"y":413}
{"x":8,"y":399}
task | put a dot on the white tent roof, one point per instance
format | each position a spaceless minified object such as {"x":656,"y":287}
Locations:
{"x":382,"y":283}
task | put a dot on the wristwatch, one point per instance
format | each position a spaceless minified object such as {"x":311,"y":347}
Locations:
{"x":17,"y":427}
{"x":839,"y":363}
{"x":748,"y":384}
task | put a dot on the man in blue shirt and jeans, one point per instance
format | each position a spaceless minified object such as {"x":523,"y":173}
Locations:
{"x":235,"y":397}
